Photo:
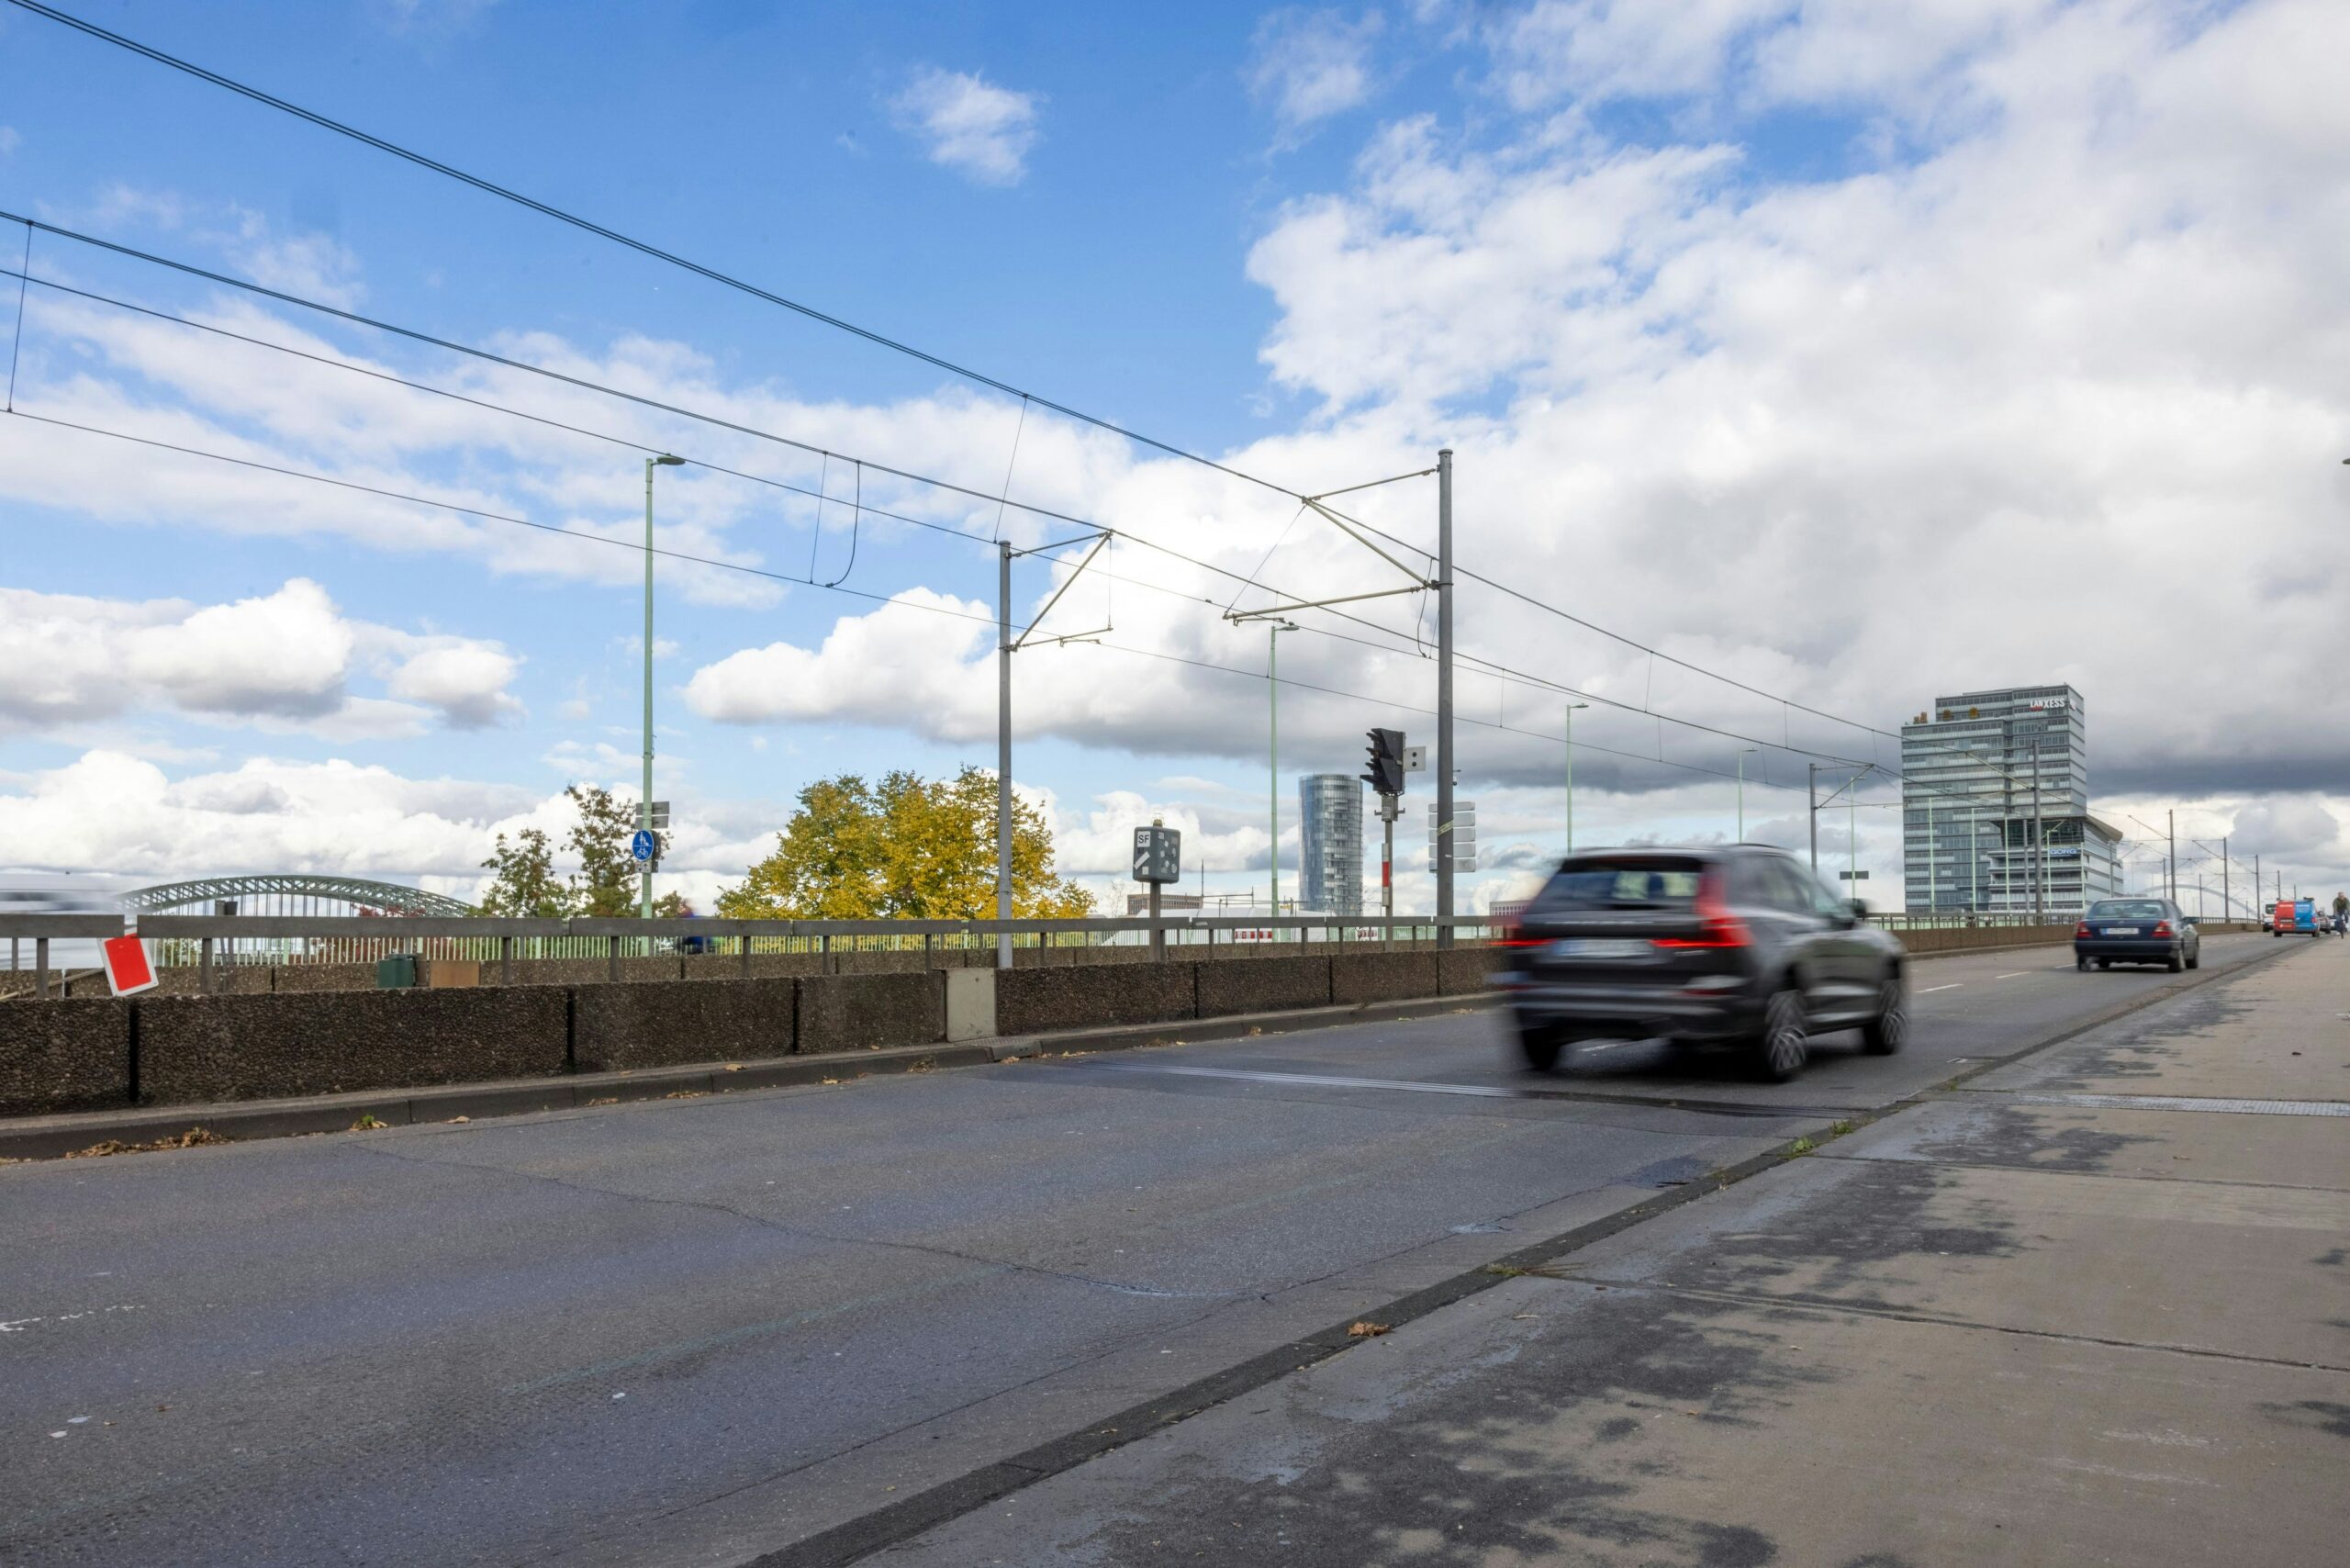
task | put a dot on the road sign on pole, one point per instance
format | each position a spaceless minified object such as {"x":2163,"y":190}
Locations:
{"x":1158,"y":854}
{"x":642,"y":845}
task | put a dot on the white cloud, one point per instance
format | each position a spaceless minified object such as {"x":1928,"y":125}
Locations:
{"x":9,"y":140}
{"x":282,"y":661}
{"x":969,"y":124}
{"x":1313,"y":64}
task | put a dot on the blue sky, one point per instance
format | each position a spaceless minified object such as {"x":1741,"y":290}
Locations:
{"x":1664,"y":279}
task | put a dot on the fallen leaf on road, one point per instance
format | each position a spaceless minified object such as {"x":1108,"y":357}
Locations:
{"x":459,"y":1120}
{"x":1366,"y":1330}
{"x":734,"y":1067}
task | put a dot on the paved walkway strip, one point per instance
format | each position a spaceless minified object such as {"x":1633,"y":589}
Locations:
{"x":2186,"y":1103}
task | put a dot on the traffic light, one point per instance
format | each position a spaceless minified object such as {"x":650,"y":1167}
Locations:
{"x":1386,"y":775}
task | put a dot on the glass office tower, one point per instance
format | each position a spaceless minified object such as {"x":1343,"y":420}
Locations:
{"x":1975,"y":768}
{"x":1330,"y":851}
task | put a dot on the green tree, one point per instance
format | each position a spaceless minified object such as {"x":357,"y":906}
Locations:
{"x":605,"y":886}
{"x":903,"y":849}
{"x":525,"y":883}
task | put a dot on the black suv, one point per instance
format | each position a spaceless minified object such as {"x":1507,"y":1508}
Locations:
{"x":1738,"y":945}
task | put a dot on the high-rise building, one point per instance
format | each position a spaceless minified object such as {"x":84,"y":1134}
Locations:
{"x":1330,"y":843}
{"x":1995,"y":806}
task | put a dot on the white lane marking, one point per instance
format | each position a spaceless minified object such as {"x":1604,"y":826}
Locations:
{"x":2014,"y":974}
{"x":1931,"y":988}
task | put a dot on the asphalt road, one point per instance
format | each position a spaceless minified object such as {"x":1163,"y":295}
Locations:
{"x":698,"y":1331}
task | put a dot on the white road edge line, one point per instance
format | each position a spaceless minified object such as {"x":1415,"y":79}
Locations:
{"x":1931,"y":988}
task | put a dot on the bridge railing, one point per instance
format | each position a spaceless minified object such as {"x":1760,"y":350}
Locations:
{"x":211,"y":942}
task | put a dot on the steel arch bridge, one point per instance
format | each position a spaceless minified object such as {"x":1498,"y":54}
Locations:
{"x":292,"y":894}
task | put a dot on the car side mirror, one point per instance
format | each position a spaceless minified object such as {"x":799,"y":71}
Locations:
{"x":1860,"y":910}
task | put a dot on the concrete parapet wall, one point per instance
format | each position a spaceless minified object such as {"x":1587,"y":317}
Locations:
{"x":1464,"y":972}
{"x":65,"y":1056}
{"x":622,"y":1027}
{"x":1962,"y":939}
{"x":1036,"y":1002}
{"x":1357,"y":978}
{"x":160,"y":1050}
{"x":1269,"y":985}
{"x":852,"y":1013}
{"x":250,"y":1047}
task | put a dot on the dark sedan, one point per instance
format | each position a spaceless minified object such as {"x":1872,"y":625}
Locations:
{"x":2136,"y":931}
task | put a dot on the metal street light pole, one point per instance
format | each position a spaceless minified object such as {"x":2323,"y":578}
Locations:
{"x":1573,"y":709}
{"x":1273,"y":751}
{"x":1743,"y":754}
{"x":644,"y":802}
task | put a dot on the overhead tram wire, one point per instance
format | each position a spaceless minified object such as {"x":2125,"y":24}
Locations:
{"x":482,"y":513}
{"x":646,"y":248}
{"x":1492,"y":668}
{"x":736,"y":566}
{"x":584,"y":384}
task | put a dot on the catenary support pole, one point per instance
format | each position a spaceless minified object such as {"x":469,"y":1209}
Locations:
{"x":1444,"y":754}
{"x":1811,"y":794}
{"x":644,"y":799}
{"x":1273,"y":760}
{"x":2170,"y":825}
{"x":1573,"y":708}
{"x":1003,"y":751}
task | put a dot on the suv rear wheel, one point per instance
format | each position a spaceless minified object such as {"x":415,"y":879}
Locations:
{"x":1884,"y":1035}
{"x":1541,"y":1047}
{"x":1785,"y":1041}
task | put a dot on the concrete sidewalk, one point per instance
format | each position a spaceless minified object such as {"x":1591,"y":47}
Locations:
{"x":2093,"y":1309}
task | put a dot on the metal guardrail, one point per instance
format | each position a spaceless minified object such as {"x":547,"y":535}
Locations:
{"x":210,"y":941}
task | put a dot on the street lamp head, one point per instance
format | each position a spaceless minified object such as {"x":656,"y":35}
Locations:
{"x":666,"y":461}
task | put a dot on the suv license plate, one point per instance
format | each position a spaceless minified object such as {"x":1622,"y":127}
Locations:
{"x":1600,"y":948}
{"x":2121,"y":931}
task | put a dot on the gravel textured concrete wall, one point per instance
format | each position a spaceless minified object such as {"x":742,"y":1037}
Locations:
{"x":1269,"y":985}
{"x":764,"y":966}
{"x":252,"y":1048}
{"x":64,"y":1056}
{"x":1959,"y":938}
{"x":617,"y":1027}
{"x":849,"y":1012}
{"x":1030,"y":1001}
{"x":1464,"y":972}
{"x":324,"y":977}
{"x":1382,"y":977}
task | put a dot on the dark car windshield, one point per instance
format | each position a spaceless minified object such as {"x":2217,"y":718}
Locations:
{"x":2126,"y":909}
{"x":1622,"y":882}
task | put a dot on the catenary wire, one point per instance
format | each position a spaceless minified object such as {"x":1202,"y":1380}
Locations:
{"x":642,"y":247}
{"x":646,"y":248}
{"x":1492,"y":668}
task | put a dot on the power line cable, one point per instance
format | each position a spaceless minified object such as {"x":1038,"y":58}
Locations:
{"x":1497,"y":670}
{"x":614,"y":236}
{"x":548,"y":209}
{"x":483,"y":513}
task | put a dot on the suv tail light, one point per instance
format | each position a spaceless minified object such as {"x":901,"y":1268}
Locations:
{"x":2082,"y":930}
{"x":1514,"y":935}
{"x":1717,"y":927}
{"x":2162,"y":928}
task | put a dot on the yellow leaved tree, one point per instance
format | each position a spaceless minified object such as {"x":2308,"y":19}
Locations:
{"x":904,"y":848}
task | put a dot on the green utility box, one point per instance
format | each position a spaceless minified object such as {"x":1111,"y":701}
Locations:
{"x":397,"y":972}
